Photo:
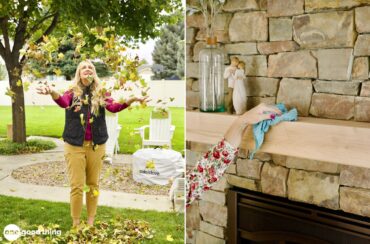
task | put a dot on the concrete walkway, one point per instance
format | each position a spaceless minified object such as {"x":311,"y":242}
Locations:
{"x":11,"y":187}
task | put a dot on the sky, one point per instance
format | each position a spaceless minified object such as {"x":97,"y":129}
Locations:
{"x":144,"y":51}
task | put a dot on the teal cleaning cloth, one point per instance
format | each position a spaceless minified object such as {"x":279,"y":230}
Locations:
{"x":262,"y":127}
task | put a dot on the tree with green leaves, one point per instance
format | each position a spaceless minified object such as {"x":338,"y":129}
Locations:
{"x":169,"y":50}
{"x":26,"y":23}
{"x":68,"y":64}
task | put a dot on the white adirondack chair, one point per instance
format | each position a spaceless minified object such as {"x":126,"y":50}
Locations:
{"x":177,"y":194}
{"x":160,"y":132}
{"x":113,"y":128}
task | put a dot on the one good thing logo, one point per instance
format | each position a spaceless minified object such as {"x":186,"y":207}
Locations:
{"x":12,"y":232}
{"x":149,"y":168}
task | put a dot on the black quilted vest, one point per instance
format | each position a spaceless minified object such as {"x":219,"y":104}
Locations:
{"x":74,"y":131}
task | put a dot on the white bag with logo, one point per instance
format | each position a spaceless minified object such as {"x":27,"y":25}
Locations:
{"x":157,"y":166}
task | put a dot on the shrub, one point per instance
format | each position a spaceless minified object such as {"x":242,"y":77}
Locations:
{"x":7,"y":147}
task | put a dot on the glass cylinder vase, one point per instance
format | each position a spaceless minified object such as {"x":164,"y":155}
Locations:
{"x":211,"y":82}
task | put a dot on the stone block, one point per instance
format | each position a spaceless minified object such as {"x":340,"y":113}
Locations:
{"x":213,"y":230}
{"x":254,"y":101}
{"x":276,"y":8}
{"x":332,"y":106}
{"x":314,"y":188}
{"x":365,"y":89}
{"x":192,"y":70}
{"x":214,"y":197}
{"x":324,"y":30}
{"x":213,"y":213}
{"x":362,"y":109}
{"x":249,"y":168}
{"x":193,"y":216}
{"x":196,"y":49}
{"x":255,"y":65}
{"x":280,"y":29}
{"x":355,"y":200}
{"x":319,"y":5}
{"x":195,"y":21}
{"x":251,"y":26}
{"x":279,"y":159}
{"x":264,"y":157}
{"x":360,"y":69}
{"x":241,"y":5}
{"x":273,"y":180}
{"x":221,"y":35}
{"x":241,"y":48}
{"x":362,"y":46}
{"x":261,"y":86}
{"x":189,"y":83}
{"x":311,"y":165}
{"x":277,"y":47}
{"x":295,"y":93}
{"x":242,"y":182}
{"x":192,"y":157}
{"x":362,"y":18}
{"x":231,"y":169}
{"x":355,"y":176}
{"x":337,"y":87}
{"x":206,"y":238}
{"x":192,"y":100}
{"x":335,"y":64}
{"x":221,"y":185}
{"x":300,"y":64}
{"x":190,"y":35}
{"x":195,"y":86}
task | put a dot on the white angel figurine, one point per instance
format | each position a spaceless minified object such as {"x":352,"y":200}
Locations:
{"x":239,"y":92}
{"x":229,"y":75}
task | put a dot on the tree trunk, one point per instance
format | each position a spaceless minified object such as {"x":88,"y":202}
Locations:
{"x":18,"y":109}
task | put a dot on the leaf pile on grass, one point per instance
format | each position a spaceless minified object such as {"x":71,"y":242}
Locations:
{"x":117,"y":230}
{"x":8,"y":147}
{"x":116,"y":177}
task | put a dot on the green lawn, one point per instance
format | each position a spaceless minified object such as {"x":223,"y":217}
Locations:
{"x":49,"y":121}
{"x":26,"y":213}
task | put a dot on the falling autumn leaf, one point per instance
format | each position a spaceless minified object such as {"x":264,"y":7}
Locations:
{"x":19,"y":83}
{"x":57,"y":72}
{"x":86,"y":188}
{"x":169,"y":238}
{"x":60,"y":55}
{"x":82,"y":119}
{"x":26,"y":85}
{"x":95,"y":192}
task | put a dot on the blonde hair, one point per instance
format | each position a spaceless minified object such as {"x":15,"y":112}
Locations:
{"x":97,"y":98}
{"x":241,"y":65}
{"x":234,"y":59}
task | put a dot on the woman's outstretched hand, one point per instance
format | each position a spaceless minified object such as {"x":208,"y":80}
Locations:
{"x":137,"y":99}
{"x":46,"y":90}
{"x":257,"y":114}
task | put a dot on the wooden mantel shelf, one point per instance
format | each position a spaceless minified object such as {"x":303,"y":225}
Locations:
{"x":343,"y":142}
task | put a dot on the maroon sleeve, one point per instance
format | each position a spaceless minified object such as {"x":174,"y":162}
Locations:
{"x":113,"y":106}
{"x":64,"y":100}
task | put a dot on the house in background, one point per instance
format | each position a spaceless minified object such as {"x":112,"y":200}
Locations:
{"x":145,"y":71}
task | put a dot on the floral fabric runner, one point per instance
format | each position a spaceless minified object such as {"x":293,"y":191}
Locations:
{"x":209,"y":169}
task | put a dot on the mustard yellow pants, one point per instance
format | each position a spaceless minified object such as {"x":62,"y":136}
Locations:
{"x":84,"y":166}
